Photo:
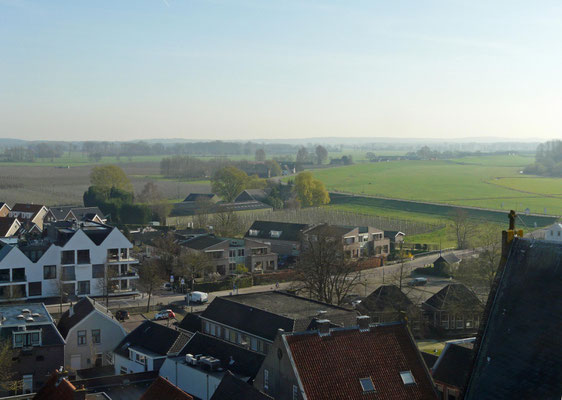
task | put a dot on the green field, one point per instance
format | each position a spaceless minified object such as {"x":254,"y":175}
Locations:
{"x":487,"y":181}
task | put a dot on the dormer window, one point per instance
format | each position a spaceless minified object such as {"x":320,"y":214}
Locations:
{"x":27,"y":338}
{"x":254,"y":232}
{"x":407,"y":378}
{"x":367,"y":385}
{"x":276,"y":234}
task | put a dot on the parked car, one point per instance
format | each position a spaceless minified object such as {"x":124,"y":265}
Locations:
{"x":122,"y":315}
{"x":417,"y":282}
{"x":165,"y":314}
{"x":197,"y":297}
{"x":167,"y":286}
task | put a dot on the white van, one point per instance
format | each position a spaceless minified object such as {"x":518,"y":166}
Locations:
{"x":197,"y":297}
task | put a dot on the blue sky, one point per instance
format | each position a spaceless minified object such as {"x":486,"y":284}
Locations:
{"x":249,"y":69}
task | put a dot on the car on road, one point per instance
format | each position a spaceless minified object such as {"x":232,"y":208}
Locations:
{"x":197,"y":297}
{"x":167,"y":286}
{"x":122,"y":315}
{"x":417,"y":282}
{"x":165,"y":314}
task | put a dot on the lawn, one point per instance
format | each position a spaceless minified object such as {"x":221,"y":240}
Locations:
{"x":431,"y":346}
{"x":489,"y":184}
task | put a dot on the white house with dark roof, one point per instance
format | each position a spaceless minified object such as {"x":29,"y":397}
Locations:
{"x":72,"y":258}
{"x":91,"y":333}
{"x":553,"y":232}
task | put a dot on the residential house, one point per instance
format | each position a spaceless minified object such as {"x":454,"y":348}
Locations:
{"x":396,"y":239}
{"x":446,"y":262}
{"x":368,"y":361}
{"x":4,"y":209}
{"x":37,"y":346}
{"x":389,"y":304}
{"x":252,"y":320}
{"x":91,"y":333}
{"x":232,"y":388}
{"x":146,"y":348}
{"x":33,"y":213}
{"x":452,"y":369}
{"x":190,"y":324}
{"x":193,"y":197}
{"x":360,"y":241}
{"x":554,"y":232}
{"x":74,"y":213}
{"x":252,"y":195}
{"x":215,"y":248}
{"x":9,"y":226}
{"x":203,"y":362}
{"x":59,"y":387}
{"x":162,"y":389}
{"x":518,"y":351}
{"x":285,"y":238}
{"x":70,"y":259}
{"x":454,"y":311}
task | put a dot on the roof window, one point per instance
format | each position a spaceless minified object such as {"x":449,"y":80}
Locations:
{"x":254,"y":232}
{"x":407,"y":378}
{"x":367,"y":385}
{"x":275,"y":234}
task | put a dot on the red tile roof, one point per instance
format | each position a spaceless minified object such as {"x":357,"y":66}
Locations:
{"x":330,"y":367}
{"x":162,"y":389}
{"x":63,"y":390}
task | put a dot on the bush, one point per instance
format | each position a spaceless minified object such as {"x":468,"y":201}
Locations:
{"x":225,"y":284}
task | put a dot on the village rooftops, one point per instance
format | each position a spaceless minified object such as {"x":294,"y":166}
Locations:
{"x":232,"y":388}
{"x":453,"y":295}
{"x":162,"y":389}
{"x":24,"y":314}
{"x":263,"y":313}
{"x":80,"y":310}
{"x":203,"y":242}
{"x":385,"y":297}
{"x":276,"y":230}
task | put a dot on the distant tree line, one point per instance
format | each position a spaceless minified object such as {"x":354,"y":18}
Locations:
{"x":33,"y":151}
{"x":425,"y":153}
{"x":548,"y":160}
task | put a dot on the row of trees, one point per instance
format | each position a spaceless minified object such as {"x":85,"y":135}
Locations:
{"x":33,"y":151}
{"x":548,"y":159}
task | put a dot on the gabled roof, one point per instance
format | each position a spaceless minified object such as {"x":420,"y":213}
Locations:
{"x":330,"y":230}
{"x":153,"y":337}
{"x":80,"y":310}
{"x":162,"y":389}
{"x":331,"y":366}
{"x":251,"y":195}
{"x":203,"y":242}
{"x":263,"y":313}
{"x":430,"y":359}
{"x":449,"y":258}
{"x":234,"y":358}
{"x":191,"y":323}
{"x":196,"y":196}
{"x":80,"y":213}
{"x":453,"y":366}
{"x":27,"y":208}
{"x":232,"y":388}
{"x":393,"y":234}
{"x":518,"y":351}
{"x":454,"y":295}
{"x":6,"y":224}
{"x":385,"y":298}
{"x":2,"y":204}
{"x":289,"y":231}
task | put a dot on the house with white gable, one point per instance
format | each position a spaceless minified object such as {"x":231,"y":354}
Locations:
{"x":91,"y":333}
{"x":553,"y":232}
{"x":69,"y":259}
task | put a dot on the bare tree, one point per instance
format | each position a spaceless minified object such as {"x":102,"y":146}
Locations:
{"x":203,"y":208}
{"x":8,"y":376}
{"x":464,"y":228}
{"x":324,"y":271}
{"x":227,"y":223}
{"x":151,"y":276}
{"x":108,"y":284}
{"x":194,"y":264}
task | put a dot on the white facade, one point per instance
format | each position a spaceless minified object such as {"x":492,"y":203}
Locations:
{"x":554,"y":232}
{"x":138,"y":361}
{"x":91,"y":341}
{"x":22,"y":278}
{"x":190,"y":379}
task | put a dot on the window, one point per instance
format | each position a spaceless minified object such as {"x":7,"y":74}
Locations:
{"x":27,"y":384}
{"x":445,"y":321}
{"x":232,"y":267}
{"x":96,"y":336}
{"x":98,"y":271}
{"x":276,"y":234}
{"x":213,"y":331}
{"x":253,"y":232}
{"x":407,"y":377}
{"x":34,"y":288}
{"x":460,"y":324}
{"x":112,"y":254}
{"x":207,"y":327}
{"x":26,"y":339}
{"x":81,"y":338}
{"x":83,"y":287}
{"x":254,"y":343}
{"x":5,"y":275}
{"x":83,"y":257}
{"x":123,"y":371}
{"x":266,"y":378}
{"x":49,"y":272}
{"x":295,"y":392}
{"x":67,"y":257}
{"x":140,"y":358}
{"x":232,"y":253}
{"x":367,"y":385}
{"x":68,"y":274}
{"x":18,"y":274}
{"x":240,"y":252}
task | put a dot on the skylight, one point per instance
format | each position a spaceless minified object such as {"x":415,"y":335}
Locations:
{"x":407,"y":377}
{"x":367,"y":385}
{"x":275,"y":234}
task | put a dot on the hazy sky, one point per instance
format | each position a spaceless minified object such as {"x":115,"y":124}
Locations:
{"x":229,"y":69}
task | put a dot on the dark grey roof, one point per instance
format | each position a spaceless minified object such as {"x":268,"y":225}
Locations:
{"x":449,"y":258}
{"x":196,"y":196}
{"x":245,"y":362}
{"x":81,"y":213}
{"x":263,"y":313}
{"x":429,"y":359}
{"x":191,"y":322}
{"x":152,"y":337}
{"x":331,"y":229}
{"x":453,"y":366}
{"x":392,"y":234}
{"x":289,"y":231}
{"x":49,"y":334}
{"x":454,"y":295}
{"x":81,"y":309}
{"x":203,"y":242}
{"x":251,"y":195}
{"x":232,"y":388}
{"x":385,"y":298}
{"x":519,"y":349}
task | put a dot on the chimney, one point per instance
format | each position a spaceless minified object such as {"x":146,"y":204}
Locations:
{"x":363,"y":321}
{"x":323,"y":326}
